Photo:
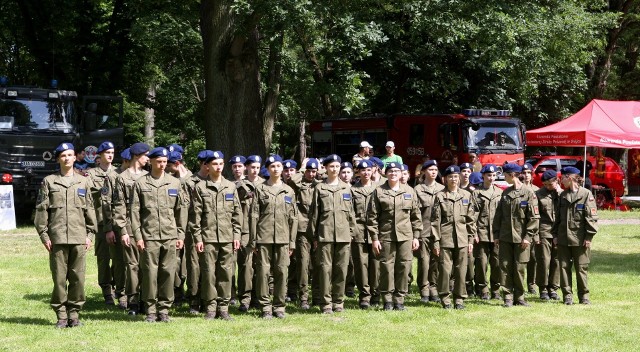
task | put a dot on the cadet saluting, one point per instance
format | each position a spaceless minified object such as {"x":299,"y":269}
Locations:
{"x":66,"y":222}
{"x":573,"y":229}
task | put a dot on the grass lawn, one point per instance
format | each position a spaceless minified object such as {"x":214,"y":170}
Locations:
{"x":609,"y":324}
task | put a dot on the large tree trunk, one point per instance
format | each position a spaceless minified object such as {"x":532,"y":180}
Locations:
{"x":274,"y":71}
{"x":303,"y":139}
{"x":150,"y":114}
{"x":233,"y":112}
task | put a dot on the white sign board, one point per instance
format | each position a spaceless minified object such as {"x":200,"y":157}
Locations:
{"x":7,"y":208}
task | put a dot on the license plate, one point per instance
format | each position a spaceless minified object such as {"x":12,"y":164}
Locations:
{"x":33,"y":164}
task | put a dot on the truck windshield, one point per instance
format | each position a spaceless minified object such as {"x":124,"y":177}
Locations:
{"x":37,"y":115}
{"x":498,"y":135}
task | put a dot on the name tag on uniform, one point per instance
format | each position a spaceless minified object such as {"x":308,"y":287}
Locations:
{"x":346,"y":196}
{"x":228,"y":196}
{"x":524,"y":204}
{"x":407,"y":196}
{"x":287,"y":199}
{"x":172,"y":192}
{"x":82,"y":192}
{"x":579,"y":206}
{"x":465,"y":202}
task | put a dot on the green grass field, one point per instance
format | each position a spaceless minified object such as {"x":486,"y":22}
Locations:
{"x":609,"y":324}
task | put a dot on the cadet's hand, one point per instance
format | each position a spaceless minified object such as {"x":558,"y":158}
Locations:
{"x":496,"y":242}
{"x":377,"y":247}
{"x":477,"y":239}
{"x":111,"y":237}
{"x":87,"y":244}
{"x":291,"y":251}
{"x":436,"y":251}
{"x":524,"y":244}
{"x":200,"y":247}
{"x":140,"y":245}
{"x":47,"y":245}
{"x":236,"y":245}
{"x":470,"y":248}
{"x":126,"y":240}
{"x":587,"y":243}
{"x":555,"y":242}
{"x":179,"y":244}
{"x":315,"y":244}
{"x":415,"y":244}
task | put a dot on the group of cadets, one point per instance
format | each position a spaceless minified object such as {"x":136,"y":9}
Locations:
{"x":308,"y":234}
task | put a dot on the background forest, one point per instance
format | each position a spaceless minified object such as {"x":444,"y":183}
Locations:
{"x":247,"y":76}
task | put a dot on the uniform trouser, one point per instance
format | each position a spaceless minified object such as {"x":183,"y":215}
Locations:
{"x":292,"y":277}
{"x":452,"y":261}
{"x":547,"y":266}
{"x":216,"y":263}
{"x":433,"y":274}
{"x":350,"y":282}
{"x":470,"y":272}
{"x":133,"y":273}
{"x":116,"y":252}
{"x":193,"y":271}
{"x":158,"y":267}
{"x":303,"y":252}
{"x":374,"y":275}
{"x":181,"y":268}
{"x":423,"y":255}
{"x":360,"y":255}
{"x":67,"y":263}
{"x":272,"y":258}
{"x":245,"y":275}
{"x":334,"y":261}
{"x":486,"y":256}
{"x":513,"y":263}
{"x":395,"y":265}
{"x":103,"y":259}
{"x":581,"y":257}
{"x":531,"y":267}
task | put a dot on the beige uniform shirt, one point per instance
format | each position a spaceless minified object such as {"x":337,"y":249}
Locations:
{"x":394,"y":216}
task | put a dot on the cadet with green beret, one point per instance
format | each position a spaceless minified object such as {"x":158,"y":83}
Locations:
{"x":547,"y":266}
{"x":66,"y":222}
{"x":515,"y":228}
{"x":122,"y":199}
{"x":426,"y":192}
{"x":395,"y":225}
{"x":100,"y":177}
{"x":215,"y":223}
{"x":331,"y":220}
{"x":158,"y":205}
{"x":575,"y":225}
{"x":273,"y":226}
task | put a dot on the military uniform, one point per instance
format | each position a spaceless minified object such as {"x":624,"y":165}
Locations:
{"x":452,"y":227}
{"x":426,"y":279}
{"x":394,"y":220}
{"x":361,"y":245}
{"x":246,"y":193}
{"x":331,"y":220}
{"x":216,"y":221}
{"x":485,"y":251}
{"x":576,"y":221}
{"x":65,"y":216}
{"x":181,"y":261}
{"x":516,"y":220}
{"x":191,"y":258}
{"x":272,"y":230}
{"x":158,"y":209}
{"x":531,"y":265}
{"x":470,"y":262}
{"x":548,"y":270}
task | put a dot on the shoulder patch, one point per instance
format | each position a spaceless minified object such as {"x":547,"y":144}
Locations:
{"x":172,"y":192}
{"x":408,"y":196}
{"x":287,"y":199}
{"x":465,"y":201}
{"x":346,"y":196}
{"x":82,"y":192}
{"x":228,"y":196}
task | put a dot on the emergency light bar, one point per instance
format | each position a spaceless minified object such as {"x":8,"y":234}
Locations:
{"x":486,"y":112}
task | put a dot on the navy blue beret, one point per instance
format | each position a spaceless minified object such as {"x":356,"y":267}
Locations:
{"x":251,"y":159}
{"x":453,"y":169}
{"x":527,"y":166}
{"x":126,"y":154}
{"x":393,"y":165}
{"x":174,"y":156}
{"x":158,"y":152}
{"x":549,"y":174}
{"x":363,"y":164}
{"x":139,"y":148}
{"x":466,"y":166}
{"x":205,"y":154}
{"x":429,"y":163}
{"x":237,"y":159}
{"x":275,"y":158}
{"x":378,"y":162}
{"x":61,"y":148}
{"x":312,"y":163}
{"x":104,"y":146}
{"x":331,"y":158}
{"x":346,"y":165}
{"x":175,"y":148}
{"x":512,"y":167}
{"x":290,"y":164}
{"x":489,"y":168}
{"x":570,"y":170}
{"x":475,"y":178}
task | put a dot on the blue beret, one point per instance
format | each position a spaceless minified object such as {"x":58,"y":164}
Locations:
{"x":549,"y":174}
{"x":527,"y":166}
{"x":429,"y":163}
{"x":378,"y":162}
{"x":346,"y":165}
{"x":466,"y":166}
{"x":489,"y":168}
{"x":126,"y":154}
{"x":275,"y":158}
{"x":174,"y":156}
{"x":139,"y":148}
{"x":290,"y":164}
{"x":251,"y":159}
{"x":175,"y":148}
{"x":363,"y":164}
{"x":453,"y":169}
{"x":331,"y":158}
{"x":312,"y":163}
{"x":570,"y":170}
{"x":263,"y":172}
{"x":104,"y":146}
{"x":61,"y":148}
{"x":393,"y":165}
{"x":475,"y":178}
{"x":404,"y":167}
{"x":237,"y":159}
{"x":214,"y":155}
{"x":158,"y":152}
{"x":205,"y":154}
{"x":512,"y":167}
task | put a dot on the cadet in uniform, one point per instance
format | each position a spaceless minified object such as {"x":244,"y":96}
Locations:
{"x":485,"y":201}
{"x":575,"y":225}
{"x":426,"y":192}
{"x":99,"y":185}
{"x":290,"y":175}
{"x":331,"y":219}
{"x":466,"y":169}
{"x":122,"y":198}
{"x":452,"y":225}
{"x":515,"y":228}
{"x":66,"y":222}
{"x":527,"y":179}
{"x":346,"y":176}
{"x":273,"y":227}
{"x":548,"y":275}
{"x":394,"y":225}
{"x":216,"y":226}
{"x":157,"y":214}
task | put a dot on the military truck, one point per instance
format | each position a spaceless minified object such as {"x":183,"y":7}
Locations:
{"x":33,"y":121}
